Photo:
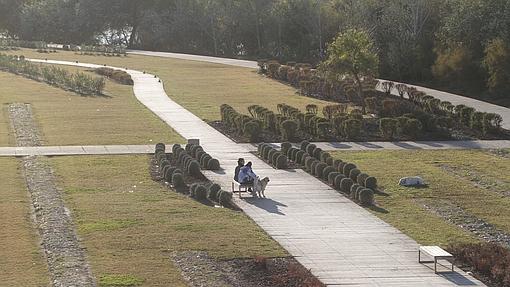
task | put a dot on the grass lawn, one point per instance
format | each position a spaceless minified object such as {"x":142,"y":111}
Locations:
{"x":471,"y":179}
{"x":130,"y":224}
{"x":21,"y":261}
{"x":66,"y":118}
{"x":198,"y":86}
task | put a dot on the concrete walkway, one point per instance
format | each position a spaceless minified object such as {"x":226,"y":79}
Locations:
{"x":333,"y":146}
{"x":76,"y":150}
{"x":444,"y":96}
{"x":338,"y":240}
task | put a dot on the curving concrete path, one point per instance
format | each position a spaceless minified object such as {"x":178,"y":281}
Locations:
{"x":444,"y":96}
{"x":341,"y":242}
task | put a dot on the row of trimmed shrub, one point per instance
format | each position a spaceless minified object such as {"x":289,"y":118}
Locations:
{"x":343,"y":176}
{"x":117,"y":75}
{"x":213,"y":193}
{"x":78,"y":82}
{"x":481,"y":122}
{"x":276,"y":158}
{"x":175,"y":176}
{"x":197,"y":152}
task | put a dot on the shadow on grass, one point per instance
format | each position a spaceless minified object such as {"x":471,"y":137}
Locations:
{"x":378,"y":209}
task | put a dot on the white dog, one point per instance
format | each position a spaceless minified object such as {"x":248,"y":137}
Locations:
{"x":259,"y":186}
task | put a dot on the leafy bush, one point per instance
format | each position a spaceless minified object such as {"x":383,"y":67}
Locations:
{"x":212,"y":193}
{"x":213,"y":164}
{"x":224,"y":198}
{"x":345,"y":185}
{"x":336,"y":163}
{"x":308,"y":162}
{"x":178,"y":181}
{"x":281,"y":162}
{"x":326,"y":171}
{"x":354,"y":187}
{"x":252,"y":130}
{"x":201,"y":193}
{"x":192,"y":189}
{"x":304,"y":145}
{"x":347,"y":168}
{"x":362,"y":178}
{"x":289,"y":129}
{"x":338,"y":181}
{"x":163,"y":164}
{"x":324,"y":157}
{"x":317,"y":153}
{"x":299,"y":156}
{"x":310,"y":148}
{"x":313,"y":168}
{"x":117,"y":75}
{"x":160,"y":147}
{"x":366,"y":197}
{"x":352,"y":128}
{"x":353,"y":174}
{"x":371,"y":182}
{"x":332,"y":176}
{"x":194,"y":168}
{"x":286,"y":146}
{"x":169,"y":172}
{"x":388,"y":128}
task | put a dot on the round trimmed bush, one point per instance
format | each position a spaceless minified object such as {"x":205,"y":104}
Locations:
{"x":354,"y":187}
{"x":299,"y":156}
{"x":366,"y":197}
{"x":358,"y":190}
{"x":341,"y":167}
{"x":331,"y":177}
{"x":178,"y":181}
{"x":353,"y":174}
{"x":199,"y":154}
{"x":163,"y":164}
{"x":201,"y":193}
{"x":347,"y":168}
{"x":330,"y":161}
{"x":285,"y":147}
{"x":345,"y":185}
{"x":361,"y":178}
{"x":281,"y":162}
{"x":338,"y":181}
{"x":313,"y":169}
{"x":324,"y":157}
{"x":260,"y":147}
{"x":175,"y":147}
{"x":327,"y":171}
{"x":371,"y":182}
{"x":213,"y":164}
{"x":270,"y":154}
{"x":317,"y":152}
{"x":304,"y":159}
{"x":192,"y":190}
{"x":160,"y":147}
{"x":310,"y":148}
{"x":165,"y":169}
{"x":213,"y":192}
{"x":196,"y":149}
{"x":265,"y":152}
{"x":273,"y":158}
{"x":224,"y":198}
{"x":204,"y":160}
{"x":293,"y":154}
{"x":304,"y":145}
{"x":194,"y":168}
{"x":160,"y":156}
{"x":336,"y":163}
{"x":319,"y":169}
{"x":188,"y":147}
{"x":168,"y":174}
{"x":308,"y":162}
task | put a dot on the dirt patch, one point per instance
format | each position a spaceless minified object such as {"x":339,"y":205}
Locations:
{"x":200,"y":270}
{"x":23,"y":125}
{"x":458,"y":216}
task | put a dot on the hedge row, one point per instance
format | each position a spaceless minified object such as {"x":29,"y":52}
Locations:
{"x":479,"y":121}
{"x":174,"y":176}
{"x":117,"y":75}
{"x":273,"y":156}
{"x":343,"y":176}
{"x":78,"y":82}
{"x":196,"y":152}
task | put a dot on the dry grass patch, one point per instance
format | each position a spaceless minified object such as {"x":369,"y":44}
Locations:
{"x":130,"y":224}
{"x":404,"y":205}
{"x":202,"y":87}
{"x":21,"y":261}
{"x":65,"y":118}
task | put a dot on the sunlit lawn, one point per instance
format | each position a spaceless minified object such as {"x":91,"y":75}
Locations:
{"x":130,"y":224}
{"x":21,"y":261}
{"x":201,"y":87}
{"x":66,"y":118}
{"x":404,"y":205}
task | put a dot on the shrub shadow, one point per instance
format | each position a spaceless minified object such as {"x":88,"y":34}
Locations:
{"x":378,"y":209}
{"x":369,"y":145}
{"x":267,"y":204}
{"x":406,"y":145}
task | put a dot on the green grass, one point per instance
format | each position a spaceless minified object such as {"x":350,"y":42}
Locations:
{"x":404,"y":205}
{"x":130,"y":224}
{"x":65,"y":118}
{"x":119,"y":281}
{"x":21,"y":261}
{"x":201,"y":87}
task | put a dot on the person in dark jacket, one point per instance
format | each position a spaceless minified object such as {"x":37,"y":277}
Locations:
{"x":240,"y":164}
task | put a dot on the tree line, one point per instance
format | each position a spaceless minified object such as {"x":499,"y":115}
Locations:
{"x":463,"y":45}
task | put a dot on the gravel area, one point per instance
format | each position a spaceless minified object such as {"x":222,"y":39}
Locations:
{"x":458,"y":216}
{"x":23,"y":125}
{"x":66,"y":259}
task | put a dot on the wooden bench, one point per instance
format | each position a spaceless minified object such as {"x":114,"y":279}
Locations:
{"x":242,"y":187}
{"x":435,"y":252}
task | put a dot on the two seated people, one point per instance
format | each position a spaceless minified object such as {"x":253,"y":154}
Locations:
{"x":244,"y":175}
